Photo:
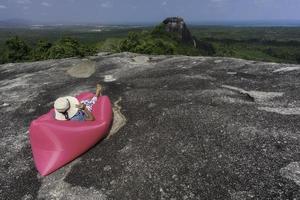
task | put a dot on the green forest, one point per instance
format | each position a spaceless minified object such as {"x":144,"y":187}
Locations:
{"x":271,"y":44}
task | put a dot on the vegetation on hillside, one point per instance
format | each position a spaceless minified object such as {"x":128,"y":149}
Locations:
{"x":271,"y":44}
{"x":158,"y":41}
{"x":17,"y":50}
{"x":274,"y":44}
{"x":260,"y":50}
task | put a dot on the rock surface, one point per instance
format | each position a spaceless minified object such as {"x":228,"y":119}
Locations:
{"x":177,"y":25}
{"x":187,"y":128}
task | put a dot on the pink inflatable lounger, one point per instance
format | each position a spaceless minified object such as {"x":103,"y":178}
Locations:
{"x":55,"y":143}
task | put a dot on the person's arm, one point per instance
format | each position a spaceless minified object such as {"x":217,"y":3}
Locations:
{"x":88,"y":115}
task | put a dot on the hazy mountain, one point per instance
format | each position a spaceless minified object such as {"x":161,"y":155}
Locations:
{"x":15,"y":23}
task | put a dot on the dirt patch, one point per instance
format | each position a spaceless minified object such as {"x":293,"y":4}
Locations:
{"x":119,"y":119}
{"x":82,"y":70}
{"x":292,"y":172}
{"x":287,"y":69}
{"x":141,"y":59}
{"x":281,"y":110}
{"x":257,"y":96}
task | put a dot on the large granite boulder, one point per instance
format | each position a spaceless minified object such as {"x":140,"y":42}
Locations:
{"x":184,"y":128}
{"x":177,"y":25}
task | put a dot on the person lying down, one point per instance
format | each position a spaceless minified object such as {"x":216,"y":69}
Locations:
{"x":69,"y":108}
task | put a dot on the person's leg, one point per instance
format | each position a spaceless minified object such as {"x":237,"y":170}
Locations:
{"x":97,"y":94}
{"x":98,"y":90}
{"x":90,"y":102}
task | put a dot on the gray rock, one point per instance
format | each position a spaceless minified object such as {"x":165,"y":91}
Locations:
{"x":4,"y":105}
{"x":82,"y":70}
{"x":178,"y":132}
{"x":292,"y":172}
{"x":177,"y":24}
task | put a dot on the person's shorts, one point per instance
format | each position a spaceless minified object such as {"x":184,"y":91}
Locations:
{"x":89,"y":103}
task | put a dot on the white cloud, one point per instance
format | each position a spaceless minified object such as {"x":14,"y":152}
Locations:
{"x":46,"y":4}
{"x":164,"y":3}
{"x":106,"y":4}
{"x":3,"y":7}
{"x":24,"y":1}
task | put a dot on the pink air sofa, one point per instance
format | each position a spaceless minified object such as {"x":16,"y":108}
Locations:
{"x":55,"y":143}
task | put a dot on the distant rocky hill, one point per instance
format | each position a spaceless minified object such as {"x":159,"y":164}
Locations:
{"x":177,"y":25}
{"x":184,"y":128}
{"x":172,"y":36}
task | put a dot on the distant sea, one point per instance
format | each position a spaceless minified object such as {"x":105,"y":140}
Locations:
{"x":258,"y":23}
{"x":236,"y":23}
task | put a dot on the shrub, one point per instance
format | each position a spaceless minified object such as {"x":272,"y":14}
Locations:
{"x":41,"y":51}
{"x":131,"y":42}
{"x":205,"y":48}
{"x":159,"y":41}
{"x":65,"y":47}
{"x":16,"y":50}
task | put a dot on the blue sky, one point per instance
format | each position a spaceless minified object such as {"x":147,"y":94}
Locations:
{"x":132,"y":11}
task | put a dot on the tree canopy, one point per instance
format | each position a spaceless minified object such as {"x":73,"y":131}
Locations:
{"x":17,"y":50}
{"x":159,"y":41}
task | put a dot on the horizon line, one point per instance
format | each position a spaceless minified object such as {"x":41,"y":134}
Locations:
{"x":244,"y":22}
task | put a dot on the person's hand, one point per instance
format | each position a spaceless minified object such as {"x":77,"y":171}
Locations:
{"x":81,"y":106}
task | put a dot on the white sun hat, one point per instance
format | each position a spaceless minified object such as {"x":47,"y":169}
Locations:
{"x":65,"y":108}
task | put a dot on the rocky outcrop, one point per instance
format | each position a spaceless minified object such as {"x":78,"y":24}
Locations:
{"x":184,"y":128}
{"x":177,"y":25}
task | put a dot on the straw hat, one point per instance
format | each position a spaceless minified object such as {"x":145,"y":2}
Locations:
{"x":65,"y":107}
